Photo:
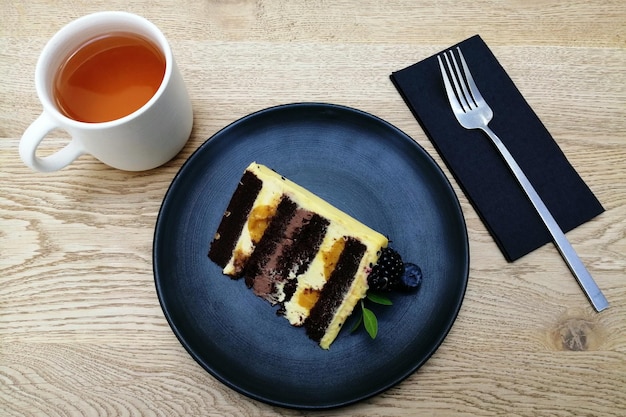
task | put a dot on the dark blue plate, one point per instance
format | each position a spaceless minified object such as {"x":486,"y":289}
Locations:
{"x":364,"y":166}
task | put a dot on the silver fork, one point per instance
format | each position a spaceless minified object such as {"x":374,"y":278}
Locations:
{"x":473,"y":112}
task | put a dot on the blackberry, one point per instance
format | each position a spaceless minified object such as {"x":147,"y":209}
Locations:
{"x":387,"y":273}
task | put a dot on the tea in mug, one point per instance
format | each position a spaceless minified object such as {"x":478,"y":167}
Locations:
{"x":109,"y":77}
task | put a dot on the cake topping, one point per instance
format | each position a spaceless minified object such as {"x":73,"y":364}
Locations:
{"x":387,"y":271}
{"x":411,"y":279}
{"x":391,"y":273}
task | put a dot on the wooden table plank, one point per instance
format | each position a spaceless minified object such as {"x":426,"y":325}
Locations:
{"x":81,"y":329}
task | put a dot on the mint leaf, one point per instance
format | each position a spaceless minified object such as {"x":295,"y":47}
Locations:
{"x":357,"y":324}
{"x":378,"y":298}
{"x":370,"y":322}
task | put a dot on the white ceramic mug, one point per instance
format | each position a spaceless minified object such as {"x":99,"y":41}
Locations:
{"x":142,"y":140}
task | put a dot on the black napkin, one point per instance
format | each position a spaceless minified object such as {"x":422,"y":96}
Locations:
{"x":477,"y":166}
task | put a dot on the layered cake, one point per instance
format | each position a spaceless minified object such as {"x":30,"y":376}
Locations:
{"x":297,"y":251}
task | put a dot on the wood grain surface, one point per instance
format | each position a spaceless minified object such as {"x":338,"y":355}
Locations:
{"x":81,"y":329}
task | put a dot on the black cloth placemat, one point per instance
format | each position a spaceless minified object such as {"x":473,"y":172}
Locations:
{"x":477,"y":166}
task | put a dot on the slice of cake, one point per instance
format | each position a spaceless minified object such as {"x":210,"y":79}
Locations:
{"x":296,"y":251}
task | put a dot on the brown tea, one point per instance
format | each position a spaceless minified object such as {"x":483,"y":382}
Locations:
{"x":109,"y":77}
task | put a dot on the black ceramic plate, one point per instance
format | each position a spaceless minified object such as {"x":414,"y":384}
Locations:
{"x":364,"y":166}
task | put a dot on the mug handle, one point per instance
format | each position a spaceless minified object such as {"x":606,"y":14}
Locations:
{"x":33,"y":136}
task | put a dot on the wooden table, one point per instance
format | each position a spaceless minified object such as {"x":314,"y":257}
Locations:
{"x":81,"y":329}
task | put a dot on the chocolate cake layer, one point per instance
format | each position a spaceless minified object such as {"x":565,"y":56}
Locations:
{"x":297,"y":257}
{"x":267,"y":246}
{"x":333,"y":293}
{"x":286,"y":249}
{"x":234,"y":218}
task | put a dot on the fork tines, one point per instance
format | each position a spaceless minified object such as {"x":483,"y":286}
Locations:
{"x":462,"y":80}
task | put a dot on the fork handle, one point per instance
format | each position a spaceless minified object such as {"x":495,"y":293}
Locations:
{"x":582,"y":275}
